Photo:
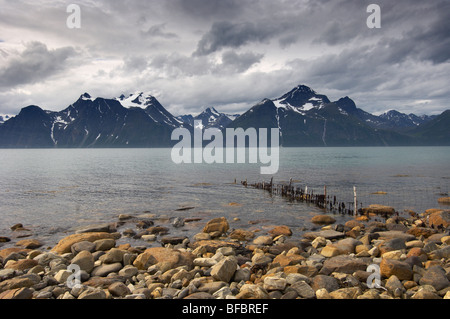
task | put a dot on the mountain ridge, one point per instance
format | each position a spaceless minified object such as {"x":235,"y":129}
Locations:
{"x":303,"y":116}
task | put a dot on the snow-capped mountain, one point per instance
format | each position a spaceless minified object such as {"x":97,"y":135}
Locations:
{"x":210,"y":117}
{"x":304,"y":118}
{"x":400,"y":120}
{"x":91,"y":122}
{"x":4,"y":118}
{"x":151,"y":106}
{"x":301,"y":99}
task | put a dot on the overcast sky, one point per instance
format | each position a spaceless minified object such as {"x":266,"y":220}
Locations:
{"x":230,"y":54}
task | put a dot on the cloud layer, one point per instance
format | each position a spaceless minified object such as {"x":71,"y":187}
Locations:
{"x":230,"y":54}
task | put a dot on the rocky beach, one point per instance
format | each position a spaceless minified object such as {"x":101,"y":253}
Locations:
{"x":377,"y":254}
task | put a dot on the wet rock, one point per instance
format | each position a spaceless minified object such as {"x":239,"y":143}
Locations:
{"x":4,"y":239}
{"x":378,"y":210}
{"x":280,"y":230}
{"x":178,"y":222}
{"x":29,"y":243}
{"x":444,"y":200}
{"x":242,"y":235}
{"x":172,"y":258}
{"x":323,"y":219}
{"x":327,"y":234}
{"x":217,"y":225}
{"x":173,"y":240}
{"x":64,"y":244}
{"x":107,"y":228}
{"x":263,"y":240}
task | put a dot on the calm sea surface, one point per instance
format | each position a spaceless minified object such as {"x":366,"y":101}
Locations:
{"x":54,"y":191}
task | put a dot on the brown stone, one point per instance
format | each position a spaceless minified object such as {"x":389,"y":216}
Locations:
{"x":242,"y":235}
{"x":29,"y":243}
{"x":170,"y":258}
{"x":18,"y":293}
{"x":354,"y":223}
{"x":444,"y":200}
{"x":421,"y":231}
{"x":22,"y":264}
{"x":417,"y":251}
{"x":7,"y":251}
{"x":378,"y":210}
{"x":212,"y":245}
{"x":284,"y":260}
{"x":323,"y":219}
{"x":64,"y":244}
{"x":439,"y":218}
{"x":217,"y":225}
{"x":402,"y":270}
{"x":281,"y":230}
{"x":343,"y":263}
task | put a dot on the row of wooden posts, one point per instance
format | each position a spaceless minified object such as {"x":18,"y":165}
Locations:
{"x":297,"y":193}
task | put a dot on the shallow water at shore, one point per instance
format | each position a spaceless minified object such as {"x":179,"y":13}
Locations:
{"x":53,"y":192}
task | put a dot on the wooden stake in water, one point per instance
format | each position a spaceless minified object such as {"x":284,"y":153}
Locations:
{"x":355,"y":203}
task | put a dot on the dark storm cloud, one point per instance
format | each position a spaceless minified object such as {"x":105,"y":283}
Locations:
{"x":226,"y":34}
{"x":226,"y":51}
{"x":34,"y":64}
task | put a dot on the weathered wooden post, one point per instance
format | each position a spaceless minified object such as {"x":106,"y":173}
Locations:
{"x":355,"y":203}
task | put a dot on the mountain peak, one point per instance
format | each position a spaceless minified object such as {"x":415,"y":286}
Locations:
{"x":137,"y":99}
{"x":85,"y":96}
{"x":346,"y":104}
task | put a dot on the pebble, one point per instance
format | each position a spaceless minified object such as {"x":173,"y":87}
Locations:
{"x":330,"y":263}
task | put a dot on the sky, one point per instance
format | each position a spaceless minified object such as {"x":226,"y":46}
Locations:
{"x":228,"y":54}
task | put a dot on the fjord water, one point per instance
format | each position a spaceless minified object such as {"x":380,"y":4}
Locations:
{"x":54,"y":191}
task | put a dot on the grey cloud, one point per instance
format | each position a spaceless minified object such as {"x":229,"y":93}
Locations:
{"x":239,"y":63}
{"x":226,"y":34}
{"x":135,"y":63}
{"x":157,"y":30}
{"x":34,"y":64}
{"x":176,"y":65}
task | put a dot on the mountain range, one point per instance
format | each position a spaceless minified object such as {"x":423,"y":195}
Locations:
{"x":304,"y":118}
